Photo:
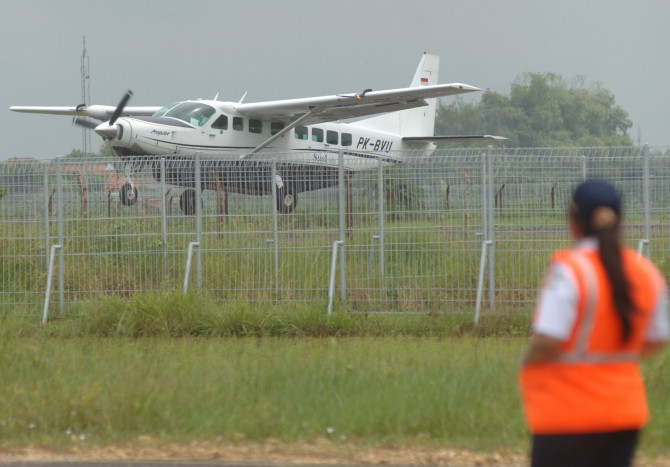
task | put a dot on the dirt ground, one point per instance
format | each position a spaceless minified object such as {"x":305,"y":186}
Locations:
{"x":314,"y":452}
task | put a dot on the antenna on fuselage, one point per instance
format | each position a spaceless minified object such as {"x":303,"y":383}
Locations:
{"x":245,"y":95}
{"x":217,"y":96}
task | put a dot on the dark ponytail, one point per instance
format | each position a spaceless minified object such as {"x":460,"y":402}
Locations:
{"x":604,"y":225}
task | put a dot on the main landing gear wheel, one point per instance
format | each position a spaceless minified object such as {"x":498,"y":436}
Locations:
{"x":187,"y":201}
{"x":128,"y":194}
{"x":287,"y":199}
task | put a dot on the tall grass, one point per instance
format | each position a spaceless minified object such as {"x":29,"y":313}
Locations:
{"x":193,"y":315}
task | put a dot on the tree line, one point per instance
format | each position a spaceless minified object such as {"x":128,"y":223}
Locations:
{"x":105,"y":151}
{"x":541,"y":110}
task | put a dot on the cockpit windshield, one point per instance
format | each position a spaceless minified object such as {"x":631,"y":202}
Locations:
{"x":162,"y":111}
{"x":193,"y":113}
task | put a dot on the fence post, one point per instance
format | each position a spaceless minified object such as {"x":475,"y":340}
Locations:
{"x":275,"y":229}
{"x":491,"y":231}
{"x":163,"y":217}
{"x":646,"y":181}
{"x":583,"y":168}
{"x":59,"y":213}
{"x":331,"y":281}
{"x":198,"y":222}
{"x":189,"y":257}
{"x":47,"y":233}
{"x":47,"y":295}
{"x":641,"y":246}
{"x":486,"y":244}
{"x":485,"y":211}
{"x":342,"y":223}
{"x":380,"y":209}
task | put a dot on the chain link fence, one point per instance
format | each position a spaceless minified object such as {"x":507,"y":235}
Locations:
{"x":428,"y":236}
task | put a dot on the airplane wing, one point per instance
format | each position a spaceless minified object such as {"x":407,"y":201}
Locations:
{"x":344,"y":106}
{"x":320,"y":109}
{"x":98,"y":112}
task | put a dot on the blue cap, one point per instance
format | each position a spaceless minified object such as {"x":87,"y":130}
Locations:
{"x":593,"y":194}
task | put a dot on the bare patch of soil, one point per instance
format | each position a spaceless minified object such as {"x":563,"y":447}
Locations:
{"x":320,"y":451}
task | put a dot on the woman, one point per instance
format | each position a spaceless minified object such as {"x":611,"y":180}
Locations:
{"x":602,"y":308}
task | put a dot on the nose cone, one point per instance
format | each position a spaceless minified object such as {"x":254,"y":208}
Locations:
{"x":107,"y":131}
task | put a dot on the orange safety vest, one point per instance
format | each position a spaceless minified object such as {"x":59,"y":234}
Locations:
{"x":594,"y":385}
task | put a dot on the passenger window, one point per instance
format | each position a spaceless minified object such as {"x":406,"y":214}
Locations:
{"x":301,"y":132}
{"x":332,"y":137}
{"x":238,"y":123}
{"x":317,"y":135}
{"x":346,"y":139}
{"x":220,"y":123}
{"x":255,"y":126}
{"x":276,"y":127}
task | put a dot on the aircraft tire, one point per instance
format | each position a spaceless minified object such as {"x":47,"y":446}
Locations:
{"x":287,"y":199}
{"x":187,"y":202}
{"x":128,"y":194}
{"x":156,"y":170}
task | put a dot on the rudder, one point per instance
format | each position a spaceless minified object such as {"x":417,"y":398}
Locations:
{"x":419,"y":121}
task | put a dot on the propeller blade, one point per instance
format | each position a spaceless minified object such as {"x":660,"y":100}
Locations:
{"x":84,"y":122}
{"x":119,"y":108}
{"x":81,"y":108}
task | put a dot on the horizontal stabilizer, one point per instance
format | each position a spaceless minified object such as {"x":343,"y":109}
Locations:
{"x":452,"y":139}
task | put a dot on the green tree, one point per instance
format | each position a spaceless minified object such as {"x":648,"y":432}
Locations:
{"x":458,"y":118}
{"x":542,"y":109}
{"x":75,"y":153}
{"x":105,"y":152}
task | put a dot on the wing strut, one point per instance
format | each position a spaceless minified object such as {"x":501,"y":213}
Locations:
{"x":312,"y":111}
{"x":447,"y":139}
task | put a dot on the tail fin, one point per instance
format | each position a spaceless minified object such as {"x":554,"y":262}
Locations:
{"x":419,"y":121}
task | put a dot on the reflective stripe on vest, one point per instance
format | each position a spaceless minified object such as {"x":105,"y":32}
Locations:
{"x":580,"y":353}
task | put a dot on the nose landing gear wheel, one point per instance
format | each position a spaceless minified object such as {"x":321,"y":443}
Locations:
{"x":287,"y":199}
{"x":187,"y":201}
{"x":128,"y":194}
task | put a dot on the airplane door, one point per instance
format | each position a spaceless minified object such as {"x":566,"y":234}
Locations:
{"x":216,"y":133}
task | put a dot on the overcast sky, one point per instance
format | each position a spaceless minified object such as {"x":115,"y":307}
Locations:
{"x":173,"y":50}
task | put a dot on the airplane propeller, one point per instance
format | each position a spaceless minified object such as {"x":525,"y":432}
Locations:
{"x":100,"y":129}
{"x":104,"y":129}
{"x":119,"y":108}
{"x":82,"y":122}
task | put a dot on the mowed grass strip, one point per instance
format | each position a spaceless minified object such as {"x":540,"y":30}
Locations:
{"x":459,"y":392}
{"x":65,"y":385}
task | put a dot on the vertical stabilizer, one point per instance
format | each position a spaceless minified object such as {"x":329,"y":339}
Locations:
{"x":419,"y":121}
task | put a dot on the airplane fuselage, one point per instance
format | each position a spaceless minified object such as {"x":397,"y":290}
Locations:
{"x":307,"y":157}
{"x":214,"y":130}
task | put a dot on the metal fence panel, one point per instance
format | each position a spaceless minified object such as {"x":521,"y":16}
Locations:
{"x":412,"y":232}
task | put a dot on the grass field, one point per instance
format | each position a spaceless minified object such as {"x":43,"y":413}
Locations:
{"x":250,"y":376}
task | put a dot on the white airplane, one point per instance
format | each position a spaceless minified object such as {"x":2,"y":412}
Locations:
{"x":236,"y":140}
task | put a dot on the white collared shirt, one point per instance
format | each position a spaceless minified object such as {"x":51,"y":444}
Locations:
{"x":556,"y":310}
